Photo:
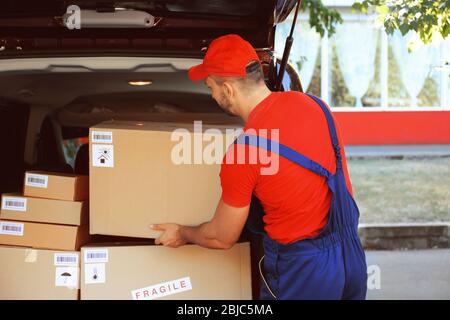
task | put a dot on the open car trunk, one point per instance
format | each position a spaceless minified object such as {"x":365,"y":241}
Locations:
{"x":181,"y":26}
{"x":55,"y":83}
{"x":53,"y":103}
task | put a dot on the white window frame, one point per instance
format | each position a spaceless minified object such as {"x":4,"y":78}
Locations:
{"x":325,"y":76}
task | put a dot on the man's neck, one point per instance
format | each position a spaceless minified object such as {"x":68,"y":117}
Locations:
{"x":253,"y":100}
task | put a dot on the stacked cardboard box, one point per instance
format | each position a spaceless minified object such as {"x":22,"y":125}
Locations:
{"x":145,"y":272}
{"x":137,"y":179}
{"x":51,"y":214}
{"x":134,"y":181}
{"x":143,"y":173}
{"x":28,"y":273}
{"x":50,"y":223}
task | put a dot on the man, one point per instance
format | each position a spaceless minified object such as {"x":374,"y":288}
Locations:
{"x":311,"y":245}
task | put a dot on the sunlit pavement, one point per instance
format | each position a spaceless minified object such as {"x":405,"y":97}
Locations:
{"x":415,"y":274}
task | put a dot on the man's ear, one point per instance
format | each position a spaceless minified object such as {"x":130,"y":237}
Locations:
{"x":229,"y":89}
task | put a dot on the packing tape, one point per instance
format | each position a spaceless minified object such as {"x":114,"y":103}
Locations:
{"x":31,"y":255}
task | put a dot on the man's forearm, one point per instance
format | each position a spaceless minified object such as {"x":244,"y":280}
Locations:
{"x":203,"y":235}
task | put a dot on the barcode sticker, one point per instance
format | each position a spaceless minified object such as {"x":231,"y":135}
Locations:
{"x":102,"y":136}
{"x":14,"y":203}
{"x":36,"y":180}
{"x":66,"y":259}
{"x":11,"y":228}
{"x":95,"y":255}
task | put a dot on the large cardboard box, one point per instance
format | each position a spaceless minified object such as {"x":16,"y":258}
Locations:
{"x":138,"y":176}
{"x":157,"y":272}
{"x":59,"y":186}
{"x":38,"y":274}
{"x":42,"y":235}
{"x":17,"y":207}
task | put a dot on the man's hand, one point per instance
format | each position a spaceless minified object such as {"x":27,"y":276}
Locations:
{"x":171,"y":236}
{"x":221,"y":232}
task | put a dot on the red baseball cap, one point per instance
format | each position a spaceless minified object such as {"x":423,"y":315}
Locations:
{"x":227,"y":56}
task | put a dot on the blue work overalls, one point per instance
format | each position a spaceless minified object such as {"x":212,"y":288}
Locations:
{"x":329,"y":266}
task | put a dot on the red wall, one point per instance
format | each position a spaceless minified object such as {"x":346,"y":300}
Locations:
{"x":411,"y":127}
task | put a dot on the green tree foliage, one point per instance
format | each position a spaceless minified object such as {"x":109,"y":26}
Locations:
{"x":426,"y":17}
{"x":321,"y":18}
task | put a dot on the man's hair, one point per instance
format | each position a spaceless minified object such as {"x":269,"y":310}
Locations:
{"x":254,"y":76}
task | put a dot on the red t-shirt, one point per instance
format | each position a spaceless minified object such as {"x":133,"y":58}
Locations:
{"x":296,"y":201}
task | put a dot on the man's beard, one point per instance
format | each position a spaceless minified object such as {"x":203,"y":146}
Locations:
{"x":225,"y":104}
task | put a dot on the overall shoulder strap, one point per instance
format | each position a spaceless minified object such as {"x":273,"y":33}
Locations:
{"x":283,"y":151}
{"x":332,"y":129}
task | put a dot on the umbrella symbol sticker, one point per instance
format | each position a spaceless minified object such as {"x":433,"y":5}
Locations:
{"x":65,"y":275}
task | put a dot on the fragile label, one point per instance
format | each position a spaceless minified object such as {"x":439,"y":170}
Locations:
{"x":103,"y":155}
{"x":94,"y":273}
{"x":36,"y":180}
{"x":14,"y":203}
{"x":66,"y":259}
{"x":95,"y":255}
{"x":102,"y":136}
{"x":66,"y":277}
{"x":11,"y":228}
{"x":162,"y":289}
